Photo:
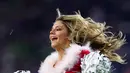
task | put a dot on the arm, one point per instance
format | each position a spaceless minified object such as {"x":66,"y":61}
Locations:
{"x":95,"y":62}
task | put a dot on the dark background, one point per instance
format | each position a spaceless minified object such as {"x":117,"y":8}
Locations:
{"x":25,"y":25}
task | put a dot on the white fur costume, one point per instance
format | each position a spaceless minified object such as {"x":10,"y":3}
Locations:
{"x":94,"y":62}
{"x":68,"y":61}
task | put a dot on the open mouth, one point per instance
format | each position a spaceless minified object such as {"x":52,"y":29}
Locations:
{"x":54,"y":38}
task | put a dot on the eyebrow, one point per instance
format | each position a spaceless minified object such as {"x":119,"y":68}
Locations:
{"x":56,"y":27}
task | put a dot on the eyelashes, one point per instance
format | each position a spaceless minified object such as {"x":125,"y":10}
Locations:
{"x":56,"y":29}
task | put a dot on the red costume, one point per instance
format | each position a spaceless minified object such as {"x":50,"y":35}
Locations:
{"x":77,"y":67}
{"x":70,"y":63}
{"x":77,"y":59}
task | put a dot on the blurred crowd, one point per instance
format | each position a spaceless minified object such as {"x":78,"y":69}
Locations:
{"x":25,"y":26}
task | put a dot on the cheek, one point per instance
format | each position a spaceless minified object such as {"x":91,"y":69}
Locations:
{"x":63,"y":37}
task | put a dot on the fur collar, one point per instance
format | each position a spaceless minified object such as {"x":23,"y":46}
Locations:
{"x":68,"y":61}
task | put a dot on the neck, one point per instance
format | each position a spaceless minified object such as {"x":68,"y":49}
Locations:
{"x":61,"y":51}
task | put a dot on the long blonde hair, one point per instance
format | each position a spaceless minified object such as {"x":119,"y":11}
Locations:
{"x":82,"y":30}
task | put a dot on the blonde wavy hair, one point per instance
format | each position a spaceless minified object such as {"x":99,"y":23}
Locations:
{"x":81,"y":30}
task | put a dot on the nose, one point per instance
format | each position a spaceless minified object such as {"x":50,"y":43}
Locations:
{"x":52,"y":32}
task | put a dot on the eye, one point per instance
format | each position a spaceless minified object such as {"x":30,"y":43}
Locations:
{"x":58,"y":29}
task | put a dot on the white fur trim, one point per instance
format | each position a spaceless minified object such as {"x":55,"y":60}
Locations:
{"x":68,"y":61}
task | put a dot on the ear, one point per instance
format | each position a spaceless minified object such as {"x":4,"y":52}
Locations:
{"x":69,"y":39}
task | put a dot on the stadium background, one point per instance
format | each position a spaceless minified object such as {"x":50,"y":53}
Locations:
{"x":25,"y":25}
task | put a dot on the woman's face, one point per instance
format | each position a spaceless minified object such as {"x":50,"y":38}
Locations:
{"x":59,"y":36}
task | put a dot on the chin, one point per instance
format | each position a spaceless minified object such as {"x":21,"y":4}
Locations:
{"x":54,"y":46}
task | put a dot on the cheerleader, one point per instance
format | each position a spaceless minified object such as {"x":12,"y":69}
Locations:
{"x":81,"y":46}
